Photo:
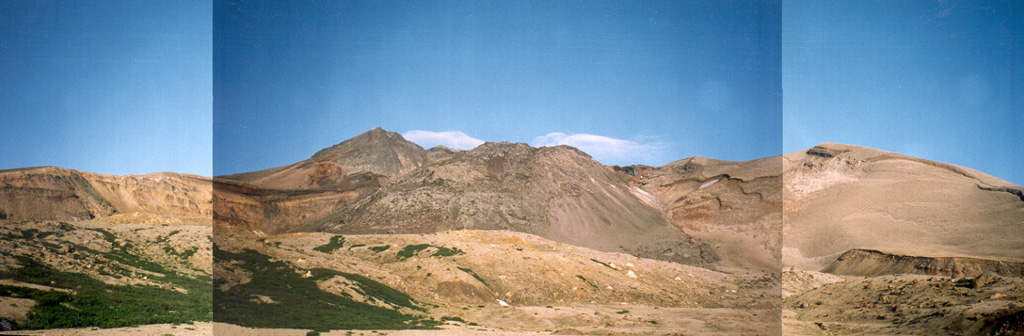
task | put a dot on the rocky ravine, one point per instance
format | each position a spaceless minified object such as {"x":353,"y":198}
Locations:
{"x":735,"y":207}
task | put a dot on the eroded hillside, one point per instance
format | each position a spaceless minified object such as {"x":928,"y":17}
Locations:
{"x":52,"y":193}
{"x":734,"y":207}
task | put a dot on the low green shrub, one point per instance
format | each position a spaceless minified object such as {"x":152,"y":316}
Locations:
{"x":300,"y":304}
{"x":379,"y":249}
{"x":470,"y":272}
{"x":411,"y":250}
{"x":336,"y":243}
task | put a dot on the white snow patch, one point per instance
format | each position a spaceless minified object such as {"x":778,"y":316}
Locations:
{"x":803,"y":183}
{"x":502,"y":303}
{"x":645,"y":197}
{"x":707,"y":184}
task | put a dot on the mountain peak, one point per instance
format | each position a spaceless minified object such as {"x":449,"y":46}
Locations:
{"x":377,"y":138}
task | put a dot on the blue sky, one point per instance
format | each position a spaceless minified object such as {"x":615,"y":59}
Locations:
{"x":115,"y":87}
{"x":628,"y":82}
{"x":112,"y":87}
{"x":941,"y":80}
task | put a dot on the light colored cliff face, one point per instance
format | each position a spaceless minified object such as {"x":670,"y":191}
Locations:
{"x":51,"y":193}
{"x":840,"y":197}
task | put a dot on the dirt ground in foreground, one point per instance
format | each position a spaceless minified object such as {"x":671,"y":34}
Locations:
{"x":527,"y":320}
{"x":588,"y":320}
{"x":195,"y":329}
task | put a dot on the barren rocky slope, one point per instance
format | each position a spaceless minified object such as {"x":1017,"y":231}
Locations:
{"x":52,"y":193}
{"x":378,"y":151}
{"x":285,"y":198}
{"x":558,"y":193}
{"x":378,"y":182}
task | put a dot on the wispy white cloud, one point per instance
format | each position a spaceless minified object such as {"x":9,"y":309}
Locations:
{"x":454,"y":139}
{"x":604,"y":149}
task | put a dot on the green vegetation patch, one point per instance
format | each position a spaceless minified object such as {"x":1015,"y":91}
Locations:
{"x":188,"y":253}
{"x":96,"y":304}
{"x":336,"y":243}
{"x":587,"y":281}
{"x":300,"y":304}
{"x":470,"y":272}
{"x":110,"y":237}
{"x":28,"y":234}
{"x":453,"y":319}
{"x":164,"y":239}
{"x":605,"y":265}
{"x":447,"y":252}
{"x":379,"y":248}
{"x":35,"y":234}
{"x":370,"y":288}
{"x":411,"y":250}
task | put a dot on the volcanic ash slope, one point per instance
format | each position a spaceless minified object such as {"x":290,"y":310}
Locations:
{"x":840,"y":197}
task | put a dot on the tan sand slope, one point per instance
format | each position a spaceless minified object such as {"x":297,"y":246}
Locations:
{"x":841,"y":197}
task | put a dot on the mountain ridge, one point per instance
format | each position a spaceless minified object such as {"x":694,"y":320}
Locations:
{"x":559,"y":193}
{"x":55,"y":193}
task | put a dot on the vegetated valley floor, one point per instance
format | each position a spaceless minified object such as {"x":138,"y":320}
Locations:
{"x":102,"y":275}
{"x":475,"y":282}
